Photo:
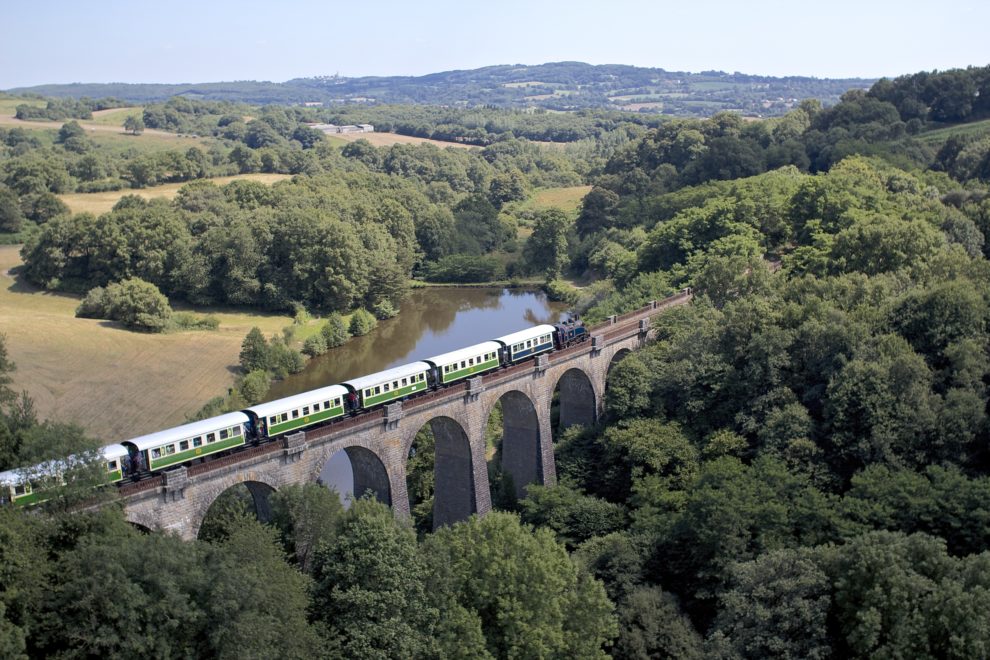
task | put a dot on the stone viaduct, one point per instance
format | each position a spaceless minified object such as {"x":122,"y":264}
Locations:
{"x":378,"y":442}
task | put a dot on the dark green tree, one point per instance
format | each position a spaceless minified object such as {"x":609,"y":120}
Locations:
{"x":370,"y":594}
{"x":134,"y":125}
{"x":776,"y":606}
{"x":255,"y":353}
{"x":530,"y":598}
{"x":546,"y":248}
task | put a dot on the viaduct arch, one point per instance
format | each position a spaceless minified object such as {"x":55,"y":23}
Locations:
{"x":377,"y":442}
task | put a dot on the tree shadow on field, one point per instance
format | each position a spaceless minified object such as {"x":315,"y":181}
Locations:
{"x":20,"y":284}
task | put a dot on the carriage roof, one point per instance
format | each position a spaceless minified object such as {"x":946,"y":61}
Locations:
{"x":185,"y":431}
{"x":388,"y":375}
{"x":298,"y":400}
{"x":465,"y":353}
{"x":528,"y":333}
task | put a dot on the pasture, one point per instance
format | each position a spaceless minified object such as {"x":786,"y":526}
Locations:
{"x":114,"y":116}
{"x":388,"y":139}
{"x":101,"y":202}
{"x":113,"y":382}
{"x":565,"y":199}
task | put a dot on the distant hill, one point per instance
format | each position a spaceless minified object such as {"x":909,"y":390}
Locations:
{"x":553,"y":86}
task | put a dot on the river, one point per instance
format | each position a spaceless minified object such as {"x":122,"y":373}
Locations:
{"x":432,"y":321}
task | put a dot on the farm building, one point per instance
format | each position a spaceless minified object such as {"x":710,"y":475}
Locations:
{"x":350,"y":128}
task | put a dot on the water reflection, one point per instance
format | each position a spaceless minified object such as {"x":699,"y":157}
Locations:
{"x":432,"y":321}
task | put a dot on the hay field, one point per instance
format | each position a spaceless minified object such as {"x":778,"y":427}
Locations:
{"x":115,"y":116}
{"x":113,"y":382}
{"x":565,"y":199}
{"x":101,"y":202}
{"x":388,"y":139}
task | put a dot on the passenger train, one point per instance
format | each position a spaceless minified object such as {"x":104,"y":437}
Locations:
{"x":146,"y":454}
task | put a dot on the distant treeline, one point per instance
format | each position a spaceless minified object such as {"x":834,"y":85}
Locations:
{"x":553,"y":86}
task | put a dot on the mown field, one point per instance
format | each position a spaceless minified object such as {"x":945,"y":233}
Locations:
{"x":565,"y":199}
{"x":114,"y":382}
{"x":388,"y":139}
{"x":101,"y":202}
{"x":115,"y":116}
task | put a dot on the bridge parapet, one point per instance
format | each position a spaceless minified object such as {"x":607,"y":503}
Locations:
{"x":378,"y":441}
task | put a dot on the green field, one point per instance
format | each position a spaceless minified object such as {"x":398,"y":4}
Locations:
{"x":77,"y":370}
{"x":101,"y":202}
{"x":565,"y":199}
{"x":115,"y":117}
{"x":8,"y":104}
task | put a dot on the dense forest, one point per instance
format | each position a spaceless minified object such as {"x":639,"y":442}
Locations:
{"x":797,"y":467}
{"x":554,"y":86}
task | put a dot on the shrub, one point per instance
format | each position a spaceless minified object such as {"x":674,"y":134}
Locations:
{"x":94,"y":305}
{"x":255,"y":386}
{"x":190,"y":321}
{"x":362,"y":322}
{"x":384,"y":310}
{"x":334,"y":331}
{"x":560,"y":291}
{"x":315,"y":345}
{"x":135,"y":303}
{"x":284,"y":360}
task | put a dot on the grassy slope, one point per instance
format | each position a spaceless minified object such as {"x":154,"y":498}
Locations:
{"x":115,"y":116}
{"x":942,"y":134}
{"x":102,"y":202}
{"x":565,"y":199}
{"x":113,"y":382}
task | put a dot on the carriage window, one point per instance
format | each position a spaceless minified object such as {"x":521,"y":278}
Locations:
{"x":326,"y":404}
{"x":336,"y":402}
{"x":529,"y":343}
{"x":405,"y":381}
{"x":112,"y":466}
{"x":305,"y":410}
{"x":156,"y":453}
{"x":462,"y":364}
{"x":224,"y":434}
{"x":367,"y":392}
{"x":316,"y":407}
{"x":378,"y":390}
{"x":395,"y":384}
{"x":210,"y":437}
{"x":295,"y":414}
{"x":197,"y":442}
{"x":285,"y":417}
{"x":273,"y":420}
{"x":386,"y":387}
{"x":184,"y":445}
{"x":170,"y":449}
{"x":235,"y":431}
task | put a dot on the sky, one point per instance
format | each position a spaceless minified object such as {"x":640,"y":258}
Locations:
{"x":179,"y":41}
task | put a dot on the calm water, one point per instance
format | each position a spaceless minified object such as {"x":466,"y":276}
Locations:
{"x":433,"y":321}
